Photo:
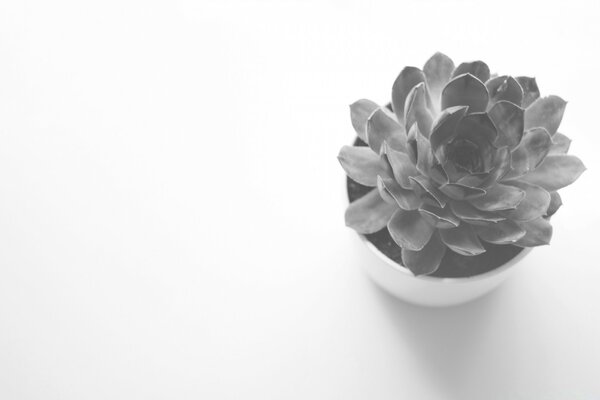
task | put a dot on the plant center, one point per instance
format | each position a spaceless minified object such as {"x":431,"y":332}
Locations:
{"x":466,"y":155}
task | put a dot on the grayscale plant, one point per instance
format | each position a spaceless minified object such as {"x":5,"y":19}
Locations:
{"x":458,"y":157}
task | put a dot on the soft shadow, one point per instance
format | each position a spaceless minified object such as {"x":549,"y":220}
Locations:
{"x":445,"y":341}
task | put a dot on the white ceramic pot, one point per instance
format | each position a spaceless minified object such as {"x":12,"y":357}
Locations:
{"x":430,"y":290}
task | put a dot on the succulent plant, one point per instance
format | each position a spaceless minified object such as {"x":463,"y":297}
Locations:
{"x":458,"y":158}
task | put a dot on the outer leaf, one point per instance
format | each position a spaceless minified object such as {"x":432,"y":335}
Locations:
{"x":360,"y":164}
{"x":556,"y":172}
{"x":402,"y":167}
{"x":499,"y":197}
{"x":538,"y":233}
{"x":405,"y":198}
{"x":462,"y":240}
{"x":381,"y":126}
{"x":555,"y":203}
{"x":530,"y":90}
{"x":427,"y":260}
{"x":438,"y":70}
{"x":504,"y":88}
{"x":409,"y":230}
{"x":408,"y":78}
{"x":478,"y":69}
{"x":472,"y":215}
{"x":534,"y":205}
{"x":441,"y":218}
{"x":465,"y":90}
{"x":532,"y":150}
{"x":546,"y":112}
{"x":458,"y":191}
{"x":416,"y":111}
{"x":509,"y":121}
{"x":369,"y":213}
{"x":560,"y":144}
{"x":504,"y":232}
{"x":359,"y":113}
{"x":444,"y":127}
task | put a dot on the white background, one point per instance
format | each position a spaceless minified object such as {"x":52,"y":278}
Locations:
{"x":171,"y":206}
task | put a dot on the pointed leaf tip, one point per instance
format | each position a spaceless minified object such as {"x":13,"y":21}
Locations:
{"x":465,"y":90}
{"x":360,"y":111}
{"x":546,"y":112}
{"x":408,"y":78}
{"x":369,"y":213}
{"x":427,"y":260}
{"x":556,"y":172}
{"x":409,"y":230}
{"x":478,"y":69}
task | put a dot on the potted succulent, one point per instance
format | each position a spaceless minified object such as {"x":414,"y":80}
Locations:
{"x":455,"y":180}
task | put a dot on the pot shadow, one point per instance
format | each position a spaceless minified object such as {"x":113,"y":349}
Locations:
{"x":446,"y":341}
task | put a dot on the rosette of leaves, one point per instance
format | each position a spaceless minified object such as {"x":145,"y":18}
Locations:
{"x":458,"y":158}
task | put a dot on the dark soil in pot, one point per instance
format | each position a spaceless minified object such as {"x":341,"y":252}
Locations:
{"x":453,"y":265}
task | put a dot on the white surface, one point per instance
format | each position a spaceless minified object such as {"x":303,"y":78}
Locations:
{"x":171,"y":213}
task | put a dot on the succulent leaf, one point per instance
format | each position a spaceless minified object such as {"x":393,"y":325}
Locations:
{"x":504,"y":88}
{"x":382,"y":126}
{"x":534,"y":204}
{"x":360,"y":164}
{"x":477,"y":124}
{"x":437,"y":173}
{"x":444,"y":127}
{"x":503,"y":232}
{"x":560,"y":144}
{"x":509,"y":120}
{"x":424,"y":155}
{"x":556,"y":172}
{"x":546,"y":112}
{"x":555,"y":203}
{"x":457,"y":191}
{"x":538,"y":233}
{"x":465,"y":90}
{"x":416,"y":111}
{"x":359,"y":113}
{"x":530,"y":90}
{"x":462,"y":240}
{"x":532,"y":150}
{"x":409,"y":230}
{"x":437,"y":70}
{"x":424,"y":186}
{"x":427,"y":260}
{"x":402,"y":167}
{"x":472,"y":215}
{"x":499,"y":197}
{"x":369,"y":213}
{"x":408,"y":78}
{"x":441,"y":218}
{"x":404,"y":198}
{"x":478,"y":69}
{"x":453,"y":173}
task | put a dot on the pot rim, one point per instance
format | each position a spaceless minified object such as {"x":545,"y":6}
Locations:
{"x":436,"y":279}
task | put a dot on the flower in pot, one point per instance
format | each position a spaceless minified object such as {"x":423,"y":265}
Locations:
{"x":456,"y":177}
